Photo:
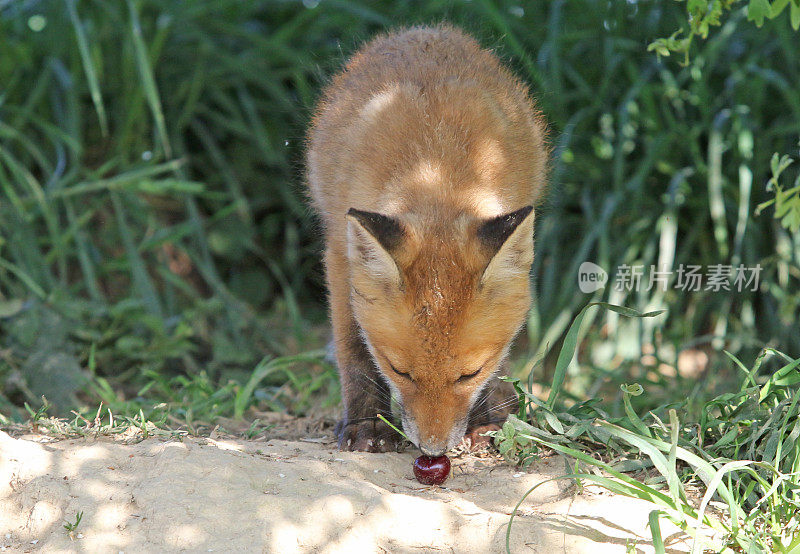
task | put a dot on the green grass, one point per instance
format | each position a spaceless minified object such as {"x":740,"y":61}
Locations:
{"x":742,"y":448}
{"x":152,"y":218}
{"x":158,"y":259}
{"x":152,"y":208}
{"x":72,"y":527}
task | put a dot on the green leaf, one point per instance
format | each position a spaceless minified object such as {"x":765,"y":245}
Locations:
{"x":794,"y":18}
{"x":554,"y":423}
{"x":792,"y":220}
{"x":660,"y":47}
{"x":782,"y":376}
{"x":697,"y":7}
{"x":758,"y":10}
{"x":777,"y":7}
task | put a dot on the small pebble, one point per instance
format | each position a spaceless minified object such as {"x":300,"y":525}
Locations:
{"x":34,"y":541}
{"x":518,"y":474}
{"x":281,"y":475}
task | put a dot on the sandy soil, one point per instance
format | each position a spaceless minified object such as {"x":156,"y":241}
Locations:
{"x":224,"y":495}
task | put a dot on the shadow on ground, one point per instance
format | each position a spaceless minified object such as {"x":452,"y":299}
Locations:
{"x":291,"y":496}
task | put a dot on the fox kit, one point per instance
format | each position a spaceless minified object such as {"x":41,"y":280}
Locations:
{"x":425,"y":159}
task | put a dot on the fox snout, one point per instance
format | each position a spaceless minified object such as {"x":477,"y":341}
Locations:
{"x":434,"y":451}
{"x":434,"y":436}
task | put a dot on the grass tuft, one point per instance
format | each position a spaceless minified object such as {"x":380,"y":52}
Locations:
{"x":742,"y":448}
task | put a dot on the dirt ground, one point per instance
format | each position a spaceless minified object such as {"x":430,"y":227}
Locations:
{"x":226,"y":495}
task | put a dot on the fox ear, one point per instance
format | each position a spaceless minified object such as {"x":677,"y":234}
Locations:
{"x":509,"y":240}
{"x":371,"y":239}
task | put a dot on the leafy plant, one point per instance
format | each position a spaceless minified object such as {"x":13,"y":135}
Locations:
{"x":744,"y":449}
{"x":787,"y":202}
{"x":72,"y":527}
{"x":40,"y":412}
{"x":702,"y":15}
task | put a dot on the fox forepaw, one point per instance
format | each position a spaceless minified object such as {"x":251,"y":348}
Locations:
{"x":368,"y":436}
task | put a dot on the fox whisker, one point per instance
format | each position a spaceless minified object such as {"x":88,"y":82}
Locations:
{"x":485,"y":400}
{"x":377,"y":390}
{"x":489,"y":409}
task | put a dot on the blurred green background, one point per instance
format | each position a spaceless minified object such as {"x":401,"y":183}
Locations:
{"x":156,"y":247}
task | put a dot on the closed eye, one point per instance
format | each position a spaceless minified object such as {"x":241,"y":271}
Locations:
{"x":401,"y":373}
{"x":468,"y":376}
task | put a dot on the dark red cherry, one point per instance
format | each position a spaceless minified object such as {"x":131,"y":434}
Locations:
{"x":430,"y":470}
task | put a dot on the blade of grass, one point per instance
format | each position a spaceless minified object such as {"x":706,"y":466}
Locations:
{"x":711,"y":489}
{"x":88,"y":67}
{"x":129,"y":178}
{"x":571,"y":343}
{"x":141,"y":280}
{"x":148,"y":81}
{"x":23,"y":175}
{"x":266,"y":368}
{"x":82,"y":246}
{"x":655,"y":531}
{"x":25,"y":278}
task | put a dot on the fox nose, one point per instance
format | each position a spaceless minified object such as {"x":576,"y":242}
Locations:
{"x":432,"y":452}
{"x":432,"y":447}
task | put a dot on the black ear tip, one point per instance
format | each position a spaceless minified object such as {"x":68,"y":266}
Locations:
{"x":496,"y":231}
{"x":387,"y":230}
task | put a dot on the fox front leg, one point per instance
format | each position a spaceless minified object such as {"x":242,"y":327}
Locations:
{"x":365,"y":395}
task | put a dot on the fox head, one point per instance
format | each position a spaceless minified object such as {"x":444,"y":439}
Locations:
{"x":438,"y":306}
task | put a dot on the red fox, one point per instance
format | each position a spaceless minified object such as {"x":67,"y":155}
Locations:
{"x":425,"y":158}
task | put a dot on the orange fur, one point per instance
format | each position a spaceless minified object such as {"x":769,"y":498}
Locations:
{"x":429,"y":130}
